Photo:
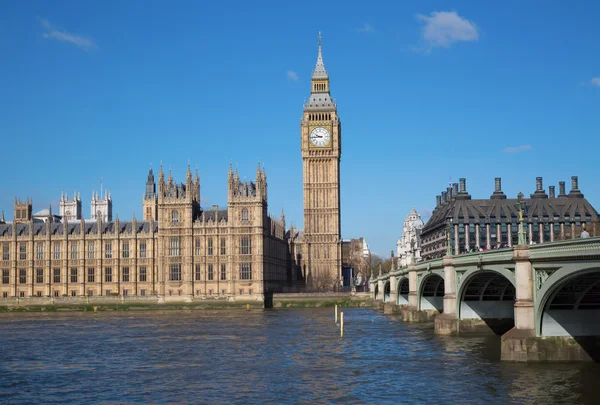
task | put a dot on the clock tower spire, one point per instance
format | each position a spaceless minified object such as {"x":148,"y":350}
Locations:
{"x":320,"y":136}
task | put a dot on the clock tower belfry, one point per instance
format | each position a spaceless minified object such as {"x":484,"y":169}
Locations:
{"x":321,"y":143}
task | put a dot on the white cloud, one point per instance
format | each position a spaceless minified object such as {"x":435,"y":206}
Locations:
{"x":517,"y":149}
{"x":366,"y":28}
{"x":595,"y":81}
{"x":51,"y":32}
{"x":293,"y":76}
{"x":443,"y":28}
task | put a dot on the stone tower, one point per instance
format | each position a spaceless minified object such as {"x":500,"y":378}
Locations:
{"x":320,"y":136}
{"x":247,"y":200}
{"x":150,"y":201}
{"x":101,"y":206}
{"x":23,"y":210}
{"x":70,"y":209}
{"x":178,"y":205}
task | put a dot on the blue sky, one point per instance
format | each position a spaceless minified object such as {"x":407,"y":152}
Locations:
{"x":425,"y":90}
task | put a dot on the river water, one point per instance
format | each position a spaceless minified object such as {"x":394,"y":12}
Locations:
{"x":282,"y":356}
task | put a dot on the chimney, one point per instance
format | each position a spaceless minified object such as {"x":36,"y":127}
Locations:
{"x":575,"y":188}
{"x":552,"y":192}
{"x":462,"y":194}
{"x":561,"y":189}
{"x":444,"y":197}
{"x":539,"y":189}
{"x":498,"y":194}
{"x":438,"y":200}
{"x":449,"y":192}
{"x":454,"y":189}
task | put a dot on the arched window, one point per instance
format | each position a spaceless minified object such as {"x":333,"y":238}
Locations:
{"x":244,"y":215}
{"x":174,"y":217}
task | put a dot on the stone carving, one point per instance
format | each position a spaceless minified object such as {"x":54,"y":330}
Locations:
{"x":459,"y":274}
{"x":541,"y":276}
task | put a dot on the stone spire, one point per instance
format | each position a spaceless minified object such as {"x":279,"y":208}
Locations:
{"x":197,"y":176}
{"x":161,"y":174}
{"x":320,"y":72}
{"x":188,"y":174}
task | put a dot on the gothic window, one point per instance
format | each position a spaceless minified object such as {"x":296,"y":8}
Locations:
{"x":125,"y":250}
{"x":90,"y":250}
{"x":73,"y":275}
{"x":210,"y":272}
{"x":108,"y":250}
{"x":142,"y":249}
{"x":6,"y":252}
{"x":56,"y":276}
{"x":23,"y":251}
{"x":223,"y":246}
{"x":143,"y":274}
{"x":175,"y":217}
{"x":223,"y":271}
{"x":246,"y":246}
{"x":5,"y":276}
{"x":125,"y":274}
{"x":22,"y":276}
{"x":174,"y":246}
{"x":90,"y":275}
{"x":197,"y":247}
{"x":74,"y":250}
{"x":210,"y":247}
{"x":39,"y":251}
{"x":175,"y":274}
{"x":108,"y":275}
{"x":198,"y":272}
{"x":246,"y":271}
{"x":245,"y":215}
{"x":56,"y":251}
{"x":39,"y":276}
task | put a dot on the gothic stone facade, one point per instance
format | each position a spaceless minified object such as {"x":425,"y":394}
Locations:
{"x":185,"y":252}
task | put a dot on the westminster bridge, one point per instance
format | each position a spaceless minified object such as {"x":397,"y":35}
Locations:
{"x":543,"y":299}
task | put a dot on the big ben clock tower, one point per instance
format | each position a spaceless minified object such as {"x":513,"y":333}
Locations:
{"x":320,"y":135}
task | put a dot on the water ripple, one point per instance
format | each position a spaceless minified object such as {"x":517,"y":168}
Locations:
{"x":279,"y":357}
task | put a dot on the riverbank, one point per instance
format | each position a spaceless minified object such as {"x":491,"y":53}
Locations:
{"x":95,"y":304}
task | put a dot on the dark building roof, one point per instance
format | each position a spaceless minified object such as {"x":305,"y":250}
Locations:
{"x":460,"y":206}
{"x":211,"y":215}
{"x":73,"y":228}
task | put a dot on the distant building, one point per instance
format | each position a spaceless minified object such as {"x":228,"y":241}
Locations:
{"x":493,"y":223}
{"x":411,"y":239}
{"x":101,"y":206}
{"x":46,"y":215}
{"x":356,"y":260}
{"x":70,"y":210}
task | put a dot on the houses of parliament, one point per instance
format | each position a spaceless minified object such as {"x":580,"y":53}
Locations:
{"x":180,"y":250}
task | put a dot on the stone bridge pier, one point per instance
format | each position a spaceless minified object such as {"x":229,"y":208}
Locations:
{"x":544,"y":300}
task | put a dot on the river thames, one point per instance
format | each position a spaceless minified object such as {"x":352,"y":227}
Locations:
{"x":283,"y":356}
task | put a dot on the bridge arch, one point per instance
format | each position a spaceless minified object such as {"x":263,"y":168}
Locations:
{"x":431,"y":292}
{"x":488,"y":295}
{"x":402,"y":291}
{"x":569,"y":302}
{"x":386,"y":291}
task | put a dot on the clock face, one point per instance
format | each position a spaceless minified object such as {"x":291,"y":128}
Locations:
{"x":320,"y":137}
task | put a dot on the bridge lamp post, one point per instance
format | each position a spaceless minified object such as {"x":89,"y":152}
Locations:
{"x":521,"y":208}
{"x":448,"y":237}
